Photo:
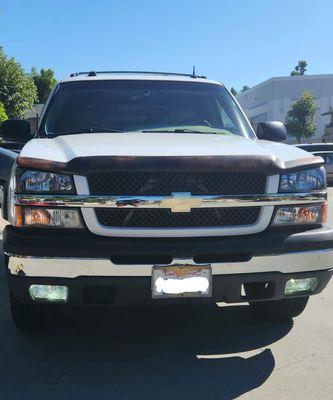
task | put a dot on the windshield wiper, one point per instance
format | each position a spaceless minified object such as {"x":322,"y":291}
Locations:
{"x":92,"y":129}
{"x":177,"y":130}
{"x":97,"y":129}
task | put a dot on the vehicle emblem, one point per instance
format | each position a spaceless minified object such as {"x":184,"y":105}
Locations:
{"x":181,"y":202}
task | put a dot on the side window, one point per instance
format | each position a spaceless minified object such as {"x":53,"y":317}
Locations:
{"x":329,"y":158}
{"x":227,"y":123}
{"x":258,"y":118}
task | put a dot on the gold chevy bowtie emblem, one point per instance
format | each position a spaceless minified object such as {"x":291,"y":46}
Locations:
{"x":181,"y":202}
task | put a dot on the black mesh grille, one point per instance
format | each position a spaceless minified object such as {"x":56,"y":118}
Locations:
{"x":164,"y":218}
{"x":164,"y":183}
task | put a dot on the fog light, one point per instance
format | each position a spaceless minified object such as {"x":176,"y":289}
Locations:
{"x":295,"y":286}
{"x":48,"y":292}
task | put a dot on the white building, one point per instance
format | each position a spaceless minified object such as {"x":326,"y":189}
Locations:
{"x":272,"y":99}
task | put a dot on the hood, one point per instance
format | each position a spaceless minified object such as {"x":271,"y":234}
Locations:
{"x":67,"y":147}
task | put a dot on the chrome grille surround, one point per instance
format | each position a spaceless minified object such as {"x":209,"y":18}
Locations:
{"x":96,"y":227}
{"x":170,"y":187}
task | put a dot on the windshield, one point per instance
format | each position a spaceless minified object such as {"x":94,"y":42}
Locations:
{"x":143,"y":105}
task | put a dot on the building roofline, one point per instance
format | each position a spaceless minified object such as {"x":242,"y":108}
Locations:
{"x":286,"y":78}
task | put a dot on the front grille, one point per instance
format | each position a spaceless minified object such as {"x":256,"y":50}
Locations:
{"x":164,"y":218}
{"x":164,"y":183}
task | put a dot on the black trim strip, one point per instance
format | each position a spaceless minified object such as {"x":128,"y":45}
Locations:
{"x":75,"y":243}
{"x":136,"y":290}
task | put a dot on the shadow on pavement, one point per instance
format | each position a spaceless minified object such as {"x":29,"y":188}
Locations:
{"x":201,"y":352}
{"x":142,"y":353}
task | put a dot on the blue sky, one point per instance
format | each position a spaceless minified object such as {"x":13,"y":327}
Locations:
{"x":237,"y":42}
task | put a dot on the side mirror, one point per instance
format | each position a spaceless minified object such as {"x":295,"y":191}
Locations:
{"x":16,"y":130}
{"x":272,"y":130}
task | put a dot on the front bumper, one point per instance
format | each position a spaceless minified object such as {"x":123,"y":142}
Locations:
{"x":71,"y":268}
{"x":118,"y":270}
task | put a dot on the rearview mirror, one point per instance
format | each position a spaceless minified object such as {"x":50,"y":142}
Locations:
{"x":16,"y":130}
{"x":272,"y":130}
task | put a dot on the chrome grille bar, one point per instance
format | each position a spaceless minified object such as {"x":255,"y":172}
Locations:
{"x":177,"y":202}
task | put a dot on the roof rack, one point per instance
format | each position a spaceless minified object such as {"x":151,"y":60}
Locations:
{"x":95,"y":73}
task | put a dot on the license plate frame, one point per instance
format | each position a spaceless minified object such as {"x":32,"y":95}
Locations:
{"x":179,"y":272}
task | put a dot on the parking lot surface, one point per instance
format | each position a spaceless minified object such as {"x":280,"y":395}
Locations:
{"x":170,"y":353}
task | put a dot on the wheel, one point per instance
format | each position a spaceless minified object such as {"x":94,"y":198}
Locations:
{"x":280,"y":309}
{"x":27,"y":317}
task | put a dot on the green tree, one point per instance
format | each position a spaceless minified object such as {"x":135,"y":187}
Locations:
{"x":245,"y":88}
{"x":44,"y":81}
{"x":300,"y":121}
{"x":17,"y":89}
{"x":300,"y":68}
{"x":3,"y":115}
{"x":233,"y":91}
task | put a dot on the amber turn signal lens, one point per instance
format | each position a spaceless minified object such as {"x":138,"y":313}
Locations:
{"x":18,"y":216}
{"x":37,"y":216}
{"x":324,"y":213}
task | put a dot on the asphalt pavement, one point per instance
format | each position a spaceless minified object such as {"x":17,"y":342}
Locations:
{"x":170,"y":353}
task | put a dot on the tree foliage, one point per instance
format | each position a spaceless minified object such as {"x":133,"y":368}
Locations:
{"x":300,"y":121}
{"x":300,"y":68}
{"x":17,"y":89}
{"x":44,"y":81}
{"x":245,"y":88}
{"x":233,"y":91}
{"x":3,"y":114}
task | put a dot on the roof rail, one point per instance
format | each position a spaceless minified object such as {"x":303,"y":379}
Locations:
{"x":95,"y":73}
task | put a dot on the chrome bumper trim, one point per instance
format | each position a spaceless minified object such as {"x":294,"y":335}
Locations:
{"x":75,"y":267}
{"x":178,"y":202}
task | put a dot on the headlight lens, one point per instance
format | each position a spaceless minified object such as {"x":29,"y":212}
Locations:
{"x":38,"y":181}
{"x":303,"y":181}
{"x":300,"y":215}
{"x":47,"y":217}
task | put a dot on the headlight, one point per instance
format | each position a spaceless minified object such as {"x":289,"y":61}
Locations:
{"x":303,"y":181}
{"x":300,"y":215}
{"x":38,"y":181}
{"x":42,"y":182}
{"x":47,"y":217}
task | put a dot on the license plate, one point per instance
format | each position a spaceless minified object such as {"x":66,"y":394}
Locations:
{"x":181,"y":281}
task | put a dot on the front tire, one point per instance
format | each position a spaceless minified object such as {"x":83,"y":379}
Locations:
{"x":284,"y":309}
{"x":27,"y":317}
